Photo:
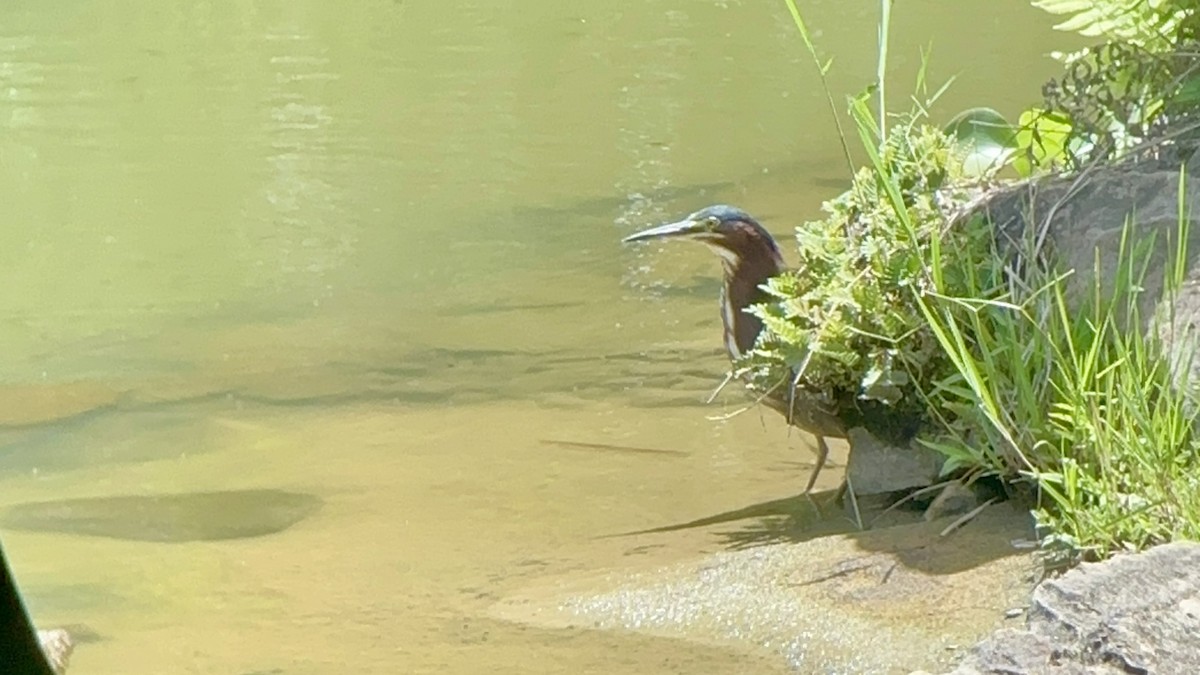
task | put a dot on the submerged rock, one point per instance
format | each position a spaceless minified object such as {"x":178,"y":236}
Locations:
{"x":190,"y":516}
{"x":1137,"y":613}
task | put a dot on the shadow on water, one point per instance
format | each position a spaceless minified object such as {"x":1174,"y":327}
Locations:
{"x":493,"y":308}
{"x":608,"y":447}
{"x":902,"y":534}
{"x":169,"y":518}
{"x":71,"y":442}
{"x":790,"y":519}
{"x":928,"y":547}
{"x":63,"y":438}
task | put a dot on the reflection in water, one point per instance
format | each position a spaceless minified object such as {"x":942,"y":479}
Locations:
{"x":19,"y":76}
{"x":648,"y":130}
{"x":307,"y":229}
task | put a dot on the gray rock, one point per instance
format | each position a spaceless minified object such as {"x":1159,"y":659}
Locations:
{"x":953,"y":500}
{"x":1019,"y":652}
{"x":878,"y":467}
{"x":57,"y":645}
{"x":1083,"y":217}
{"x":1135,"y":613}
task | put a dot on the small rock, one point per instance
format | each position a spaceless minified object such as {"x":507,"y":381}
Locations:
{"x":878,"y":467}
{"x":954,"y":500}
{"x":57,"y":646}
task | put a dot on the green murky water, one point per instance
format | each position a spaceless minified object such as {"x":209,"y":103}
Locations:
{"x":365,"y":256}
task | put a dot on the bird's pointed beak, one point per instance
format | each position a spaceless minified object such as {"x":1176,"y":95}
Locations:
{"x":681,"y":228}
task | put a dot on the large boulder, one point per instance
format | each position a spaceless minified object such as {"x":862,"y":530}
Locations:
{"x":1135,"y":613}
{"x":1080,"y":221}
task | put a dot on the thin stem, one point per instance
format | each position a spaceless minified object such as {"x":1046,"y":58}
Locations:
{"x":885,"y":22}
{"x":821,"y":70}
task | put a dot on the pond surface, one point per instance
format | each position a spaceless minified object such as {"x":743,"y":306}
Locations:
{"x":366,"y":256}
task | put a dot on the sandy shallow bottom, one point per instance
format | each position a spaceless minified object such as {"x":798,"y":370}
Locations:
{"x":896,"y":599}
{"x":425,"y":520}
{"x":458,"y":511}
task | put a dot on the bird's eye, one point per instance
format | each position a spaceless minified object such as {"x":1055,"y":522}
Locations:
{"x":712,"y":223}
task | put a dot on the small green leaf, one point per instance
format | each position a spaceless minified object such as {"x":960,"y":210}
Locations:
{"x":1041,"y":138}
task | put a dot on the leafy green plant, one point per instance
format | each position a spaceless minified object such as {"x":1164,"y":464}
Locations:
{"x":847,"y":325}
{"x":1038,"y":143}
{"x":848,"y":322}
{"x":1149,"y":23}
{"x":901,"y":305}
{"x":1141,"y":84}
{"x":1041,"y":142}
{"x":1136,"y":85}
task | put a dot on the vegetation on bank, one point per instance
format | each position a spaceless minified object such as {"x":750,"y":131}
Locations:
{"x":904,"y":303}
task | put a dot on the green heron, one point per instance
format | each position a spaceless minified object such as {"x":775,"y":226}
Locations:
{"x":749,"y":257}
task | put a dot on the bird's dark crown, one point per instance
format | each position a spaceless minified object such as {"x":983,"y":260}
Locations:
{"x":723,"y":221}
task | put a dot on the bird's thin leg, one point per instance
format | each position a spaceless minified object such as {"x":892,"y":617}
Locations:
{"x":822,"y":455}
{"x":839,"y":498}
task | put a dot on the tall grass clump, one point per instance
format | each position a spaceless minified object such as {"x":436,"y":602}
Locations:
{"x":908,"y":301}
{"x":1075,"y":397}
